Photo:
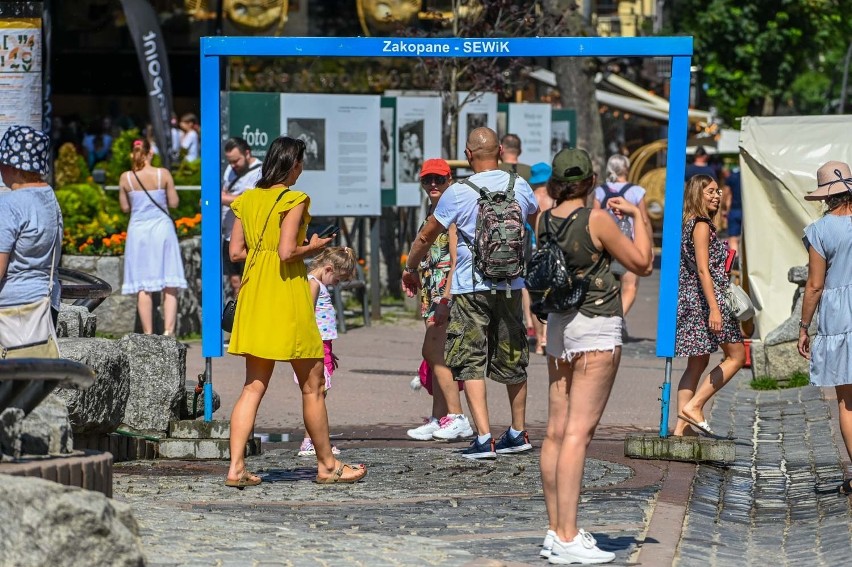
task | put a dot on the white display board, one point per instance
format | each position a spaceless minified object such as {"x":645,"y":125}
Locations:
{"x":479,"y":110}
{"x":20,"y":73}
{"x":531,"y":123}
{"x":342,"y":172}
{"x":418,"y":126}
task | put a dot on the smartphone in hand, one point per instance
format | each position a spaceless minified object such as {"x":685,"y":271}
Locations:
{"x":328,"y":231}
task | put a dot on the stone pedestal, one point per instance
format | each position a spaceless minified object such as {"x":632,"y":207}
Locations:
{"x":689,"y":449}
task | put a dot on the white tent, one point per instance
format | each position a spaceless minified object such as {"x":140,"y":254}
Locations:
{"x":779,"y":157}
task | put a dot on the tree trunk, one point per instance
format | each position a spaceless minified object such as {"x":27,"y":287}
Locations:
{"x":575,"y":78}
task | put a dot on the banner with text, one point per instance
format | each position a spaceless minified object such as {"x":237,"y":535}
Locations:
{"x":343,"y":151}
{"x":531,"y":123}
{"x":20,"y":73}
{"x":256,"y":118}
{"x":418,"y":121}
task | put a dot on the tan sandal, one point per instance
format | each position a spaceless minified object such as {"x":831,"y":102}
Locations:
{"x":337,"y":476}
{"x":246,"y":479}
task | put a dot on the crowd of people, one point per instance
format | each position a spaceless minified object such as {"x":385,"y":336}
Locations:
{"x":477,"y":310}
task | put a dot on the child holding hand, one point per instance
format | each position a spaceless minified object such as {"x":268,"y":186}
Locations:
{"x":328,"y":268}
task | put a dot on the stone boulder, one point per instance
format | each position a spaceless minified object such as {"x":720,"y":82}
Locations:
{"x":51,"y":524}
{"x":47,"y":429}
{"x":189,"y":299}
{"x":10,"y":432}
{"x":156,"y":367}
{"x":117,"y":314}
{"x":76,"y":321}
{"x":186,"y":407}
{"x":100,"y":409}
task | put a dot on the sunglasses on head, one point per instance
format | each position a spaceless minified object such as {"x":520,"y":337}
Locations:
{"x":428,"y":180}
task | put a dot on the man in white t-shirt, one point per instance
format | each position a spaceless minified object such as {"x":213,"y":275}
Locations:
{"x":486,"y":334}
{"x":189,"y":138}
{"x":242,"y":173}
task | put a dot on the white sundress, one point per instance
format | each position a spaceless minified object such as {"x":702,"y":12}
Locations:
{"x":152,"y":259}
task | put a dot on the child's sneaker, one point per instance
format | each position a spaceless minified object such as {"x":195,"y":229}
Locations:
{"x":425,"y":431}
{"x":306,"y":449}
{"x":518,"y":444}
{"x":479,"y":450}
{"x":453,"y":427}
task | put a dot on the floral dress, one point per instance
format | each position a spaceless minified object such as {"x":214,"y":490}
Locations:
{"x":434,"y":272}
{"x":693,"y":336}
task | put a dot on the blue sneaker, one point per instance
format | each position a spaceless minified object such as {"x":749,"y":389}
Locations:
{"x":479,"y":450}
{"x":509,"y":444}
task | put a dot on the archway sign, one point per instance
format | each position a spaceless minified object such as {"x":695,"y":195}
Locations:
{"x":212,"y":48}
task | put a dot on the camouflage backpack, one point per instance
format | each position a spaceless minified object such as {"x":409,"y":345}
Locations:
{"x":498,"y":247}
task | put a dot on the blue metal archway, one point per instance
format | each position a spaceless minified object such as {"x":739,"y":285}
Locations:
{"x":212,"y":48}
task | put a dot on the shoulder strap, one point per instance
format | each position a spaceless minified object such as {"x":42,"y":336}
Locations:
{"x":609,"y":194}
{"x":263,"y":230}
{"x":156,"y":204}
{"x":159,"y":178}
{"x":243,"y":174}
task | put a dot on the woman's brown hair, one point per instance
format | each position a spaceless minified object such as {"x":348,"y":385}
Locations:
{"x":693,"y":198}
{"x":561,"y":191}
{"x":139,"y":154}
{"x":281,"y":158}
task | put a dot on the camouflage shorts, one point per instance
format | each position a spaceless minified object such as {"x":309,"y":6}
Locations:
{"x":486,"y":337}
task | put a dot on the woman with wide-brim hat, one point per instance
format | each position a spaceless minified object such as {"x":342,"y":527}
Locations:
{"x":829,"y":244}
{"x":30,"y":221}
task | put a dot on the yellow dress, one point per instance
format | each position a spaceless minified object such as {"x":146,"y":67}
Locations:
{"x":275,"y":311}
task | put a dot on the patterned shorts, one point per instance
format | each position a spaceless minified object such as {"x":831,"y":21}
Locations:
{"x":486,"y":337}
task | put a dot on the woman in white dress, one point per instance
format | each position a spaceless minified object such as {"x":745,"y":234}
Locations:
{"x":152,"y":260}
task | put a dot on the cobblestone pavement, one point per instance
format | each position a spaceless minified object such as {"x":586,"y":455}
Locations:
{"x":423,"y":506}
{"x":777,"y":504}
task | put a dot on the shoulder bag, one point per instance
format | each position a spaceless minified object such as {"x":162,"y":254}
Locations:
{"x":230,"y":310}
{"x":27,"y":331}
{"x":736,"y":300}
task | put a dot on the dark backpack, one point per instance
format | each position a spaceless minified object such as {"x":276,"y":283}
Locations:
{"x":623,"y":223}
{"x":553,"y":288}
{"x":498,"y":244}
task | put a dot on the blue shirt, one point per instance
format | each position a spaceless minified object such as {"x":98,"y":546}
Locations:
{"x":458,"y":205}
{"x":30,"y":229}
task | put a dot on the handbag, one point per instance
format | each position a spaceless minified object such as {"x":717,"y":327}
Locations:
{"x":230,"y":310}
{"x":738,"y":303}
{"x":27,"y":331}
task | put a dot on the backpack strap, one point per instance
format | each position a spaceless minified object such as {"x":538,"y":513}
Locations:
{"x":609,"y":194}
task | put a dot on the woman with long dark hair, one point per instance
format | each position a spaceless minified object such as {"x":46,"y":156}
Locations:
{"x":152,"y":260}
{"x":275,"y":312}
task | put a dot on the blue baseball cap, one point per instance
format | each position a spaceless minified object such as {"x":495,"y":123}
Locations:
{"x":539,"y":173}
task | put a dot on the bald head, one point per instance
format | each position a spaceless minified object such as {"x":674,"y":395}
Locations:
{"x":483,"y":145}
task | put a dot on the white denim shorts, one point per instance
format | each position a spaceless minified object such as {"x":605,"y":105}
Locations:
{"x":571,"y":334}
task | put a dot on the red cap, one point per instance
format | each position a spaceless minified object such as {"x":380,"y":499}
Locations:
{"x":435,"y":166}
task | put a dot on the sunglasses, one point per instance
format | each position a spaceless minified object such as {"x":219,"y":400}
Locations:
{"x":428,"y":180}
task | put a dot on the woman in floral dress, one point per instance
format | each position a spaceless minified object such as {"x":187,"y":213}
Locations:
{"x":703,"y":322}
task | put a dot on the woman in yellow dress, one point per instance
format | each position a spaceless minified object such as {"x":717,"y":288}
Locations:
{"x":275,"y":313}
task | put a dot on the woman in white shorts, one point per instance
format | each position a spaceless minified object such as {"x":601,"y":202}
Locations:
{"x":583,"y":346}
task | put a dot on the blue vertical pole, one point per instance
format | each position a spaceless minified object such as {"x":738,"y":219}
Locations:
{"x":672,"y":223}
{"x":211,"y":255}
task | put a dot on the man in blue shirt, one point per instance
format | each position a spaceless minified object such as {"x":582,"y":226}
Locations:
{"x":486,"y":334}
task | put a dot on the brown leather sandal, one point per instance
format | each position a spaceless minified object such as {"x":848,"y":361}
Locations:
{"x":247,"y":479}
{"x":337,"y":476}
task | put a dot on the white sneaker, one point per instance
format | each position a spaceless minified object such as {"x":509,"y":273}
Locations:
{"x":425,"y":431}
{"x":453,"y":426}
{"x":582,"y":549}
{"x":547,"y":544}
{"x":415,"y":383}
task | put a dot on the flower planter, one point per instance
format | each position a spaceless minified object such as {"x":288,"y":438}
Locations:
{"x":117,"y":314}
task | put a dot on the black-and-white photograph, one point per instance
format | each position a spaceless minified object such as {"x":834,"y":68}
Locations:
{"x":560,"y":133}
{"x":387,"y":148}
{"x":312,"y":132}
{"x":502,"y":124}
{"x":410,"y":151}
{"x":476,"y":120}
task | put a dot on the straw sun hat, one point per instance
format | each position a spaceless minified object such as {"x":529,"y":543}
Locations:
{"x":833,"y":178}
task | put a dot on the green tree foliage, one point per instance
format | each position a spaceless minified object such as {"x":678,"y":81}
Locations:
{"x":766,"y":57}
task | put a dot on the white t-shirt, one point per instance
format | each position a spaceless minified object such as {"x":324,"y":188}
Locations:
{"x":189,"y":142}
{"x":247,"y":181}
{"x":458,"y":205}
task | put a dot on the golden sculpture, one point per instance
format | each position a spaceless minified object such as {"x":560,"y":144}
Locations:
{"x":257,"y":15}
{"x":385,"y":16}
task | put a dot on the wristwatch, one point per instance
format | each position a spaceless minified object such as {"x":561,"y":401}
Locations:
{"x":442,"y":301}
{"x":803,"y":325}
{"x":408,"y":270}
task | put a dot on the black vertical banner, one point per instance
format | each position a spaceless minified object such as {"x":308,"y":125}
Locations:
{"x":151,"y":49}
